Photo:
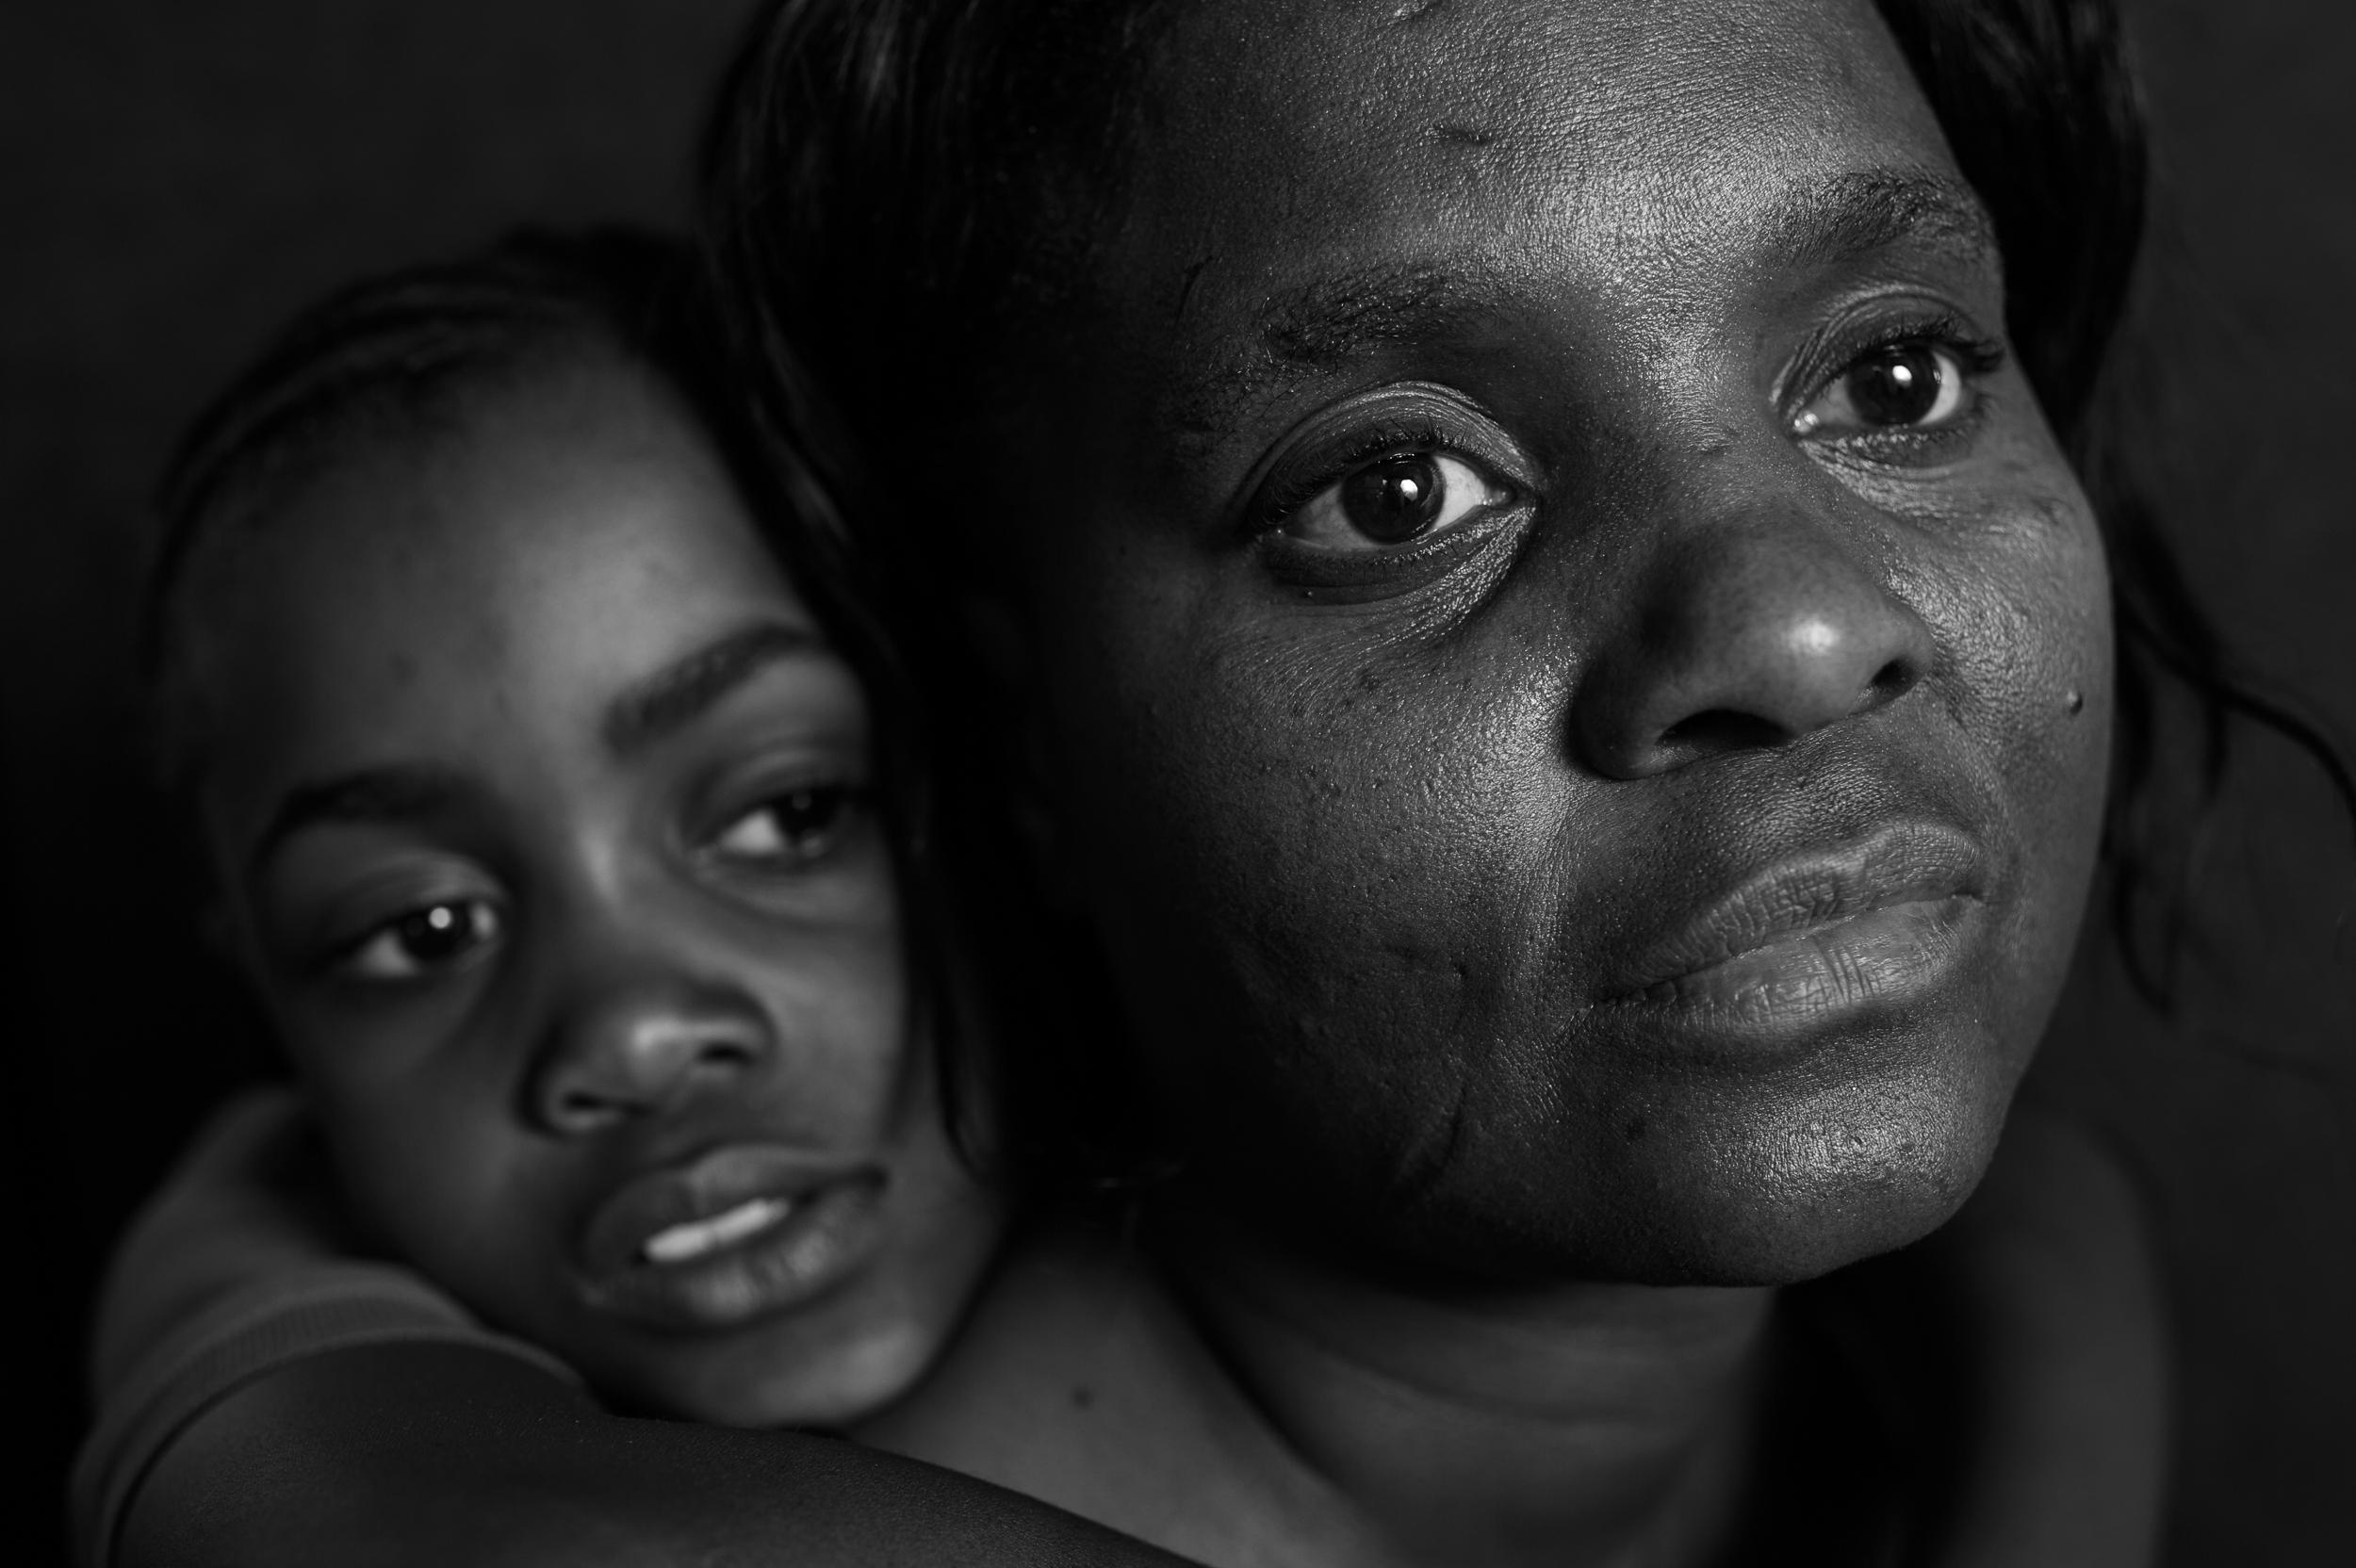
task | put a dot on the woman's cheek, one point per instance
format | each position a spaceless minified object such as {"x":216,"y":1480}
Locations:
{"x":2034,"y":654}
{"x":2018,"y":595}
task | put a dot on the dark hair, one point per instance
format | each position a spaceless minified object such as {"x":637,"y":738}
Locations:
{"x":401,"y":353}
{"x":882,"y":172}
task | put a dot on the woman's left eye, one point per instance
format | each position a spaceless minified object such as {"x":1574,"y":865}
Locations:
{"x":1900,"y":386}
{"x":1394,"y":500}
{"x":799,"y":825}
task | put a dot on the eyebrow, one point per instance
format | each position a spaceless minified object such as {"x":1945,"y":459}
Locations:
{"x":681,"y":692}
{"x":1329,"y":320}
{"x":1868,"y":210}
{"x":413,"y":791}
{"x":399,"y":792}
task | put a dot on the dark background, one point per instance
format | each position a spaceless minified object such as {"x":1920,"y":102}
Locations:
{"x":175,"y":175}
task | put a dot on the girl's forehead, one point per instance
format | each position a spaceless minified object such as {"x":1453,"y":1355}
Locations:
{"x":569,"y":541}
{"x":563,"y":499}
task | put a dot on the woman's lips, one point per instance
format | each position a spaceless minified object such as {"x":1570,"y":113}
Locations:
{"x":1873,"y":923}
{"x":740,"y":1232}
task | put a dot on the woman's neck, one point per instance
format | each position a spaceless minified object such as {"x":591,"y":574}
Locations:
{"x":1269,"y":1411}
{"x":1583,"y":1423}
{"x":1273,"y":1411}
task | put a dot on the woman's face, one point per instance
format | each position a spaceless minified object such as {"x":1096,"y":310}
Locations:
{"x":1574,"y":677}
{"x":540,"y":803}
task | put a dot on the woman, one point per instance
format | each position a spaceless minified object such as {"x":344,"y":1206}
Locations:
{"x":1547,"y":628}
{"x":1567,"y":673}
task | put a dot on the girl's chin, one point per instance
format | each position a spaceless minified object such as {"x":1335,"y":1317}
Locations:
{"x":825,"y":1368}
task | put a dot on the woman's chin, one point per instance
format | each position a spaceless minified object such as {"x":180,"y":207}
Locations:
{"x":1726,"y":1184}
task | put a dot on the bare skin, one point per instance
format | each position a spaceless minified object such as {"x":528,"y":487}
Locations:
{"x":405,"y":1454}
{"x":1085,"y":1380}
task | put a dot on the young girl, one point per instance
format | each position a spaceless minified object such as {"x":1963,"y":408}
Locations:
{"x":546,"y":815}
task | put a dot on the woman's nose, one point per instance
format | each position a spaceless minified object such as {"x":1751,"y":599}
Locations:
{"x":1744,"y":636}
{"x":638,"y":1046}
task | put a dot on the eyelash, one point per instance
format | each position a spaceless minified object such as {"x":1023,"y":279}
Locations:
{"x":1292,"y":494}
{"x":848,"y":799}
{"x":338,"y":962}
{"x":1977,"y":353}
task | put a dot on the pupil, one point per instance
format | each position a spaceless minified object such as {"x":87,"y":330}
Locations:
{"x":804,"y":813}
{"x":1897,"y":385}
{"x":436,"y":932}
{"x":1393,"y":500}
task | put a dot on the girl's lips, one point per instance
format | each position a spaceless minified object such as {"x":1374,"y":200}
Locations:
{"x":741,"y":1231}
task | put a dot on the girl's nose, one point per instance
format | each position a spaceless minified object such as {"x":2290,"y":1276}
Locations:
{"x":639,"y":1046}
{"x":1741,"y":636}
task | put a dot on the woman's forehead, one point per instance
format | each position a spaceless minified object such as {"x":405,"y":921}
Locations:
{"x":1618,"y":79}
{"x":1382,"y":153}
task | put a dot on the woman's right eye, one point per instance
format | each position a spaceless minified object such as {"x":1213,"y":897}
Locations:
{"x":1915,"y":386}
{"x":1398,"y":499}
{"x":422,"y":941}
{"x":1392,"y":499}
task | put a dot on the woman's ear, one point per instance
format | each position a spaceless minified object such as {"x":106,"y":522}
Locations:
{"x":997,"y":637}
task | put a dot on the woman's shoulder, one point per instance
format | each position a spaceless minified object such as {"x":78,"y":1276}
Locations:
{"x":1080,"y":1379}
{"x":2058,"y":1288}
{"x":2010,"y":1374}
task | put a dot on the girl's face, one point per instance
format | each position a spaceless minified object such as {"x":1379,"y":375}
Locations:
{"x":1574,"y":679}
{"x":542,"y":805}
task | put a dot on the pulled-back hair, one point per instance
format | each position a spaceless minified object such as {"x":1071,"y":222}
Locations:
{"x":402,"y":352}
{"x":891,"y":184}
{"x":406,"y":353}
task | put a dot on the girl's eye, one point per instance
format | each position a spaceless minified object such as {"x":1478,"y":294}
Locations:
{"x":796,"y":827}
{"x":1393,"y":500}
{"x":1897,"y":387}
{"x":436,"y":937}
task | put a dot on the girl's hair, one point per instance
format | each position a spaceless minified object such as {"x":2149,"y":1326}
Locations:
{"x":400,"y":355}
{"x":888,"y":178}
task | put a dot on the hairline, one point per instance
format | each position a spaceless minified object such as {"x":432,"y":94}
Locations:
{"x":375,"y":423}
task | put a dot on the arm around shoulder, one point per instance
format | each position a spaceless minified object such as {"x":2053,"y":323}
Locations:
{"x":406,"y":1453}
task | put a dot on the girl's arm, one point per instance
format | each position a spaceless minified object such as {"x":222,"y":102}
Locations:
{"x":238,"y":1267}
{"x":425,"y":1452}
{"x":264,"y":1395}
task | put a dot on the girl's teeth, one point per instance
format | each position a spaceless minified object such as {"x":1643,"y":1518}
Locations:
{"x":694,"y":1239}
